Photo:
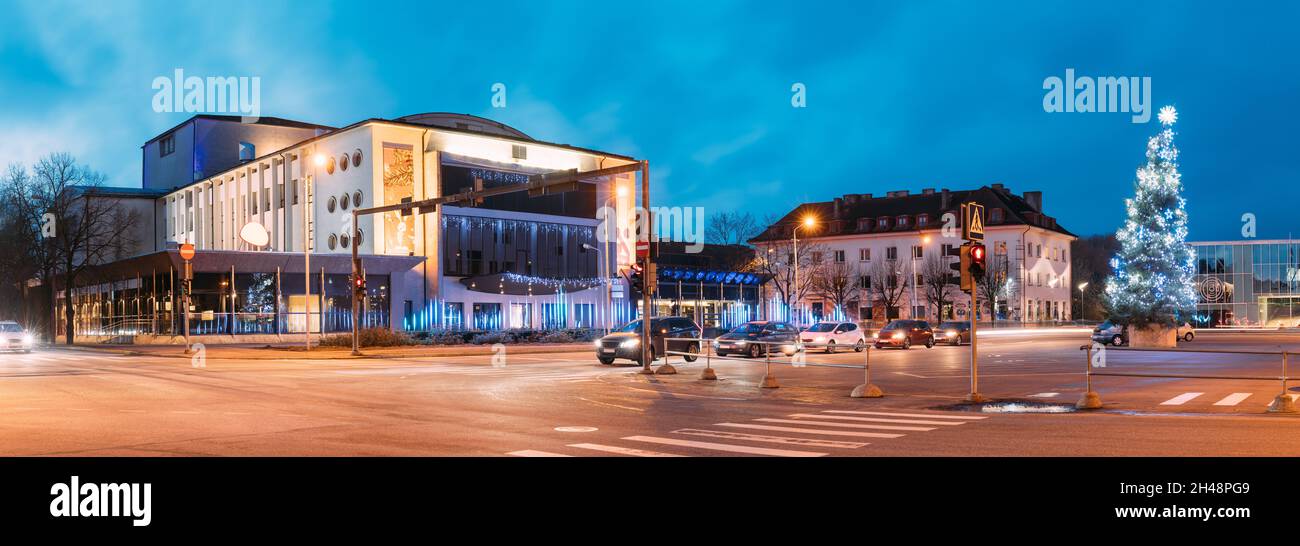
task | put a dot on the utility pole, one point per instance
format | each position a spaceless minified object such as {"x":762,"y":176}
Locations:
{"x":649,"y":271}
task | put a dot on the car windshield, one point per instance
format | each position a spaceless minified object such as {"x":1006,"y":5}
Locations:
{"x":749,"y":328}
{"x":896,"y":325}
{"x":1106,"y":325}
{"x":634,"y":326}
{"x":821,"y":327}
{"x":10,"y":328}
{"x":954,"y":326}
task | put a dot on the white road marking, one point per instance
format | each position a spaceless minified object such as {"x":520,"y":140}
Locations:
{"x":624,"y":450}
{"x":1233,"y":399}
{"x":883,"y":420}
{"x":811,"y":430}
{"x":188,"y":412}
{"x":842,"y":425}
{"x":912,"y":375}
{"x":729,"y":448}
{"x":1294,"y":397}
{"x":923,"y":415}
{"x":805,"y":442}
{"x":1181,"y":399}
{"x":536,"y":453}
{"x":1045,"y":395}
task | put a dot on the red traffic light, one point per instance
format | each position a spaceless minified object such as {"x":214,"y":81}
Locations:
{"x":977,"y":253}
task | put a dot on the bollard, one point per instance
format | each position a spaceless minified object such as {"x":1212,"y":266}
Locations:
{"x":708,"y":374}
{"x":867,"y":390}
{"x":666,"y":368}
{"x":1090,"y":399}
{"x":1283,"y":403}
{"x":769,"y":380}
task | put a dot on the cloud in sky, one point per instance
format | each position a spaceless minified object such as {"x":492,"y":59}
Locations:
{"x":900,"y":95}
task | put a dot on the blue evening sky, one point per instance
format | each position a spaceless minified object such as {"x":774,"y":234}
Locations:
{"x":900,"y":95}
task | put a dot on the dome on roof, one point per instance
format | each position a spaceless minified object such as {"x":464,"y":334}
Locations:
{"x":464,"y":122}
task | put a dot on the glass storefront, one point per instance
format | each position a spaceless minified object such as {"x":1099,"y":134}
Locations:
{"x":1248,"y":283}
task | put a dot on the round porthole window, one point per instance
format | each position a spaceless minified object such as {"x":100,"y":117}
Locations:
{"x":356,"y":158}
{"x":344,"y":240}
{"x":334,"y":240}
{"x":329,"y":165}
{"x":356,"y":198}
{"x":343,"y":162}
{"x":360,"y":236}
{"x":329,"y":205}
{"x":344,"y":201}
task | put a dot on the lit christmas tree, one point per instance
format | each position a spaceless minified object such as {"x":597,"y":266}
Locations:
{"x":1152,"y":279}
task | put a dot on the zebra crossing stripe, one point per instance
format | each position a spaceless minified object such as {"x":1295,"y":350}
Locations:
{"x":623,"y":450}
{"x":920,"y":415}
{"x":536,"y":453}
{"x":883,"y":420}
{"x":1181,"y":399}
{"x":728,"y":448}
{"x":811,"y":430}
{"x":805,"y":442}
{"x":842,"y":425}
{"x":1233,"y":399}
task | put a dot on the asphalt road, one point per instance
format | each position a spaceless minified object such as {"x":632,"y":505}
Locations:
{"x":76,"y":402}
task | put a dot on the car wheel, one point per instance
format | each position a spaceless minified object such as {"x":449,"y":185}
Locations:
{"x":860,"y":346}
{"x":1117,"y":341}
{"x":755,"y":351}
{"x":1188,"y":336}
{"x":719,"y":353}
{"x":692,"y":353}
{"x":879,"y":346}
{"x":929,"y":343}
{"x":830,"y":346}
{"x":606,"y":360}
{"x":907,"y":343}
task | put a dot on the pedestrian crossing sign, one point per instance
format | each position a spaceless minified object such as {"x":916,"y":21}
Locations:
{"x":972,"y":226}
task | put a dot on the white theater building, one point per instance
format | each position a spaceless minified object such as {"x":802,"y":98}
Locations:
{"x":511,"y":261}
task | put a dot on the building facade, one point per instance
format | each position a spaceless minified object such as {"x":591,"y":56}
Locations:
{"x":510,"y":261}
{"x":852,"y":243}
{"x":1247,"y":283}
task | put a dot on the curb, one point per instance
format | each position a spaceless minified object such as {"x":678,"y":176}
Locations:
{"x":331,"y":354}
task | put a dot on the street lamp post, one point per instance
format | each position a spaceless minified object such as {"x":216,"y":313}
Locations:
{"x":1082,"y":315}
{"x":619,"y":192}
{"x":809,"y":222}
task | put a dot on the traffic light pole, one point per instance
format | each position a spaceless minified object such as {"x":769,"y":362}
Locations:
{"x":648,"y":283}
{"x":975,"y":396}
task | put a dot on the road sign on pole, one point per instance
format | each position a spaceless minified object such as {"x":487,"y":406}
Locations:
{"x":972,"y":229}
{"x":972,"y":225}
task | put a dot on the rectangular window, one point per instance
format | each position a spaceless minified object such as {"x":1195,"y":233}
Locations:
{"x":864,"y":254}
{"x":167,"y":146}
{"x":839,"y":256}
{"x":864,"y":282}
{"x":916,"y":252}
{"x":399,"y":186}
{"x":891,"y":253}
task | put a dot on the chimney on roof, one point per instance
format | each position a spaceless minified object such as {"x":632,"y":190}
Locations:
{"x":838,"y":204}
{"x":865,"y":196}
{"x":927,"y":191}
{"x":898,"y":193}
{"x":1035,"y":200}
{"x":851,"y":198}
{"x":998,"y":186}
{"x":945,"y":199}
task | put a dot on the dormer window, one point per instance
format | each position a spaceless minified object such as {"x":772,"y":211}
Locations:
{"x":902,"y":221}
{"x":864,"y":224}
{"x":922,"y":220}
{"x":167,"y":146}
{"x":995,"y":215}
{"x":882,"y":223}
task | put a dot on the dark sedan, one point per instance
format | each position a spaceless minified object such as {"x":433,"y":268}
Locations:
{"x":626,"y":341}
{"x":758,"y":338}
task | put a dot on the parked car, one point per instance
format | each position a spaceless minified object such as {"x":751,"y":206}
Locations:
{"x":1186,"y":332}
{"x":954,"y":332}
{"x":625,"y":342}
{"x":1110,"y":332}
{"x":829,"y":336}
{"x":905,"y":333}
{"x":757,"y":339}
{"x":15,"y":337}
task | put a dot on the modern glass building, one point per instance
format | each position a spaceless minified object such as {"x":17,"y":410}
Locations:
{"x":1248,"y":283}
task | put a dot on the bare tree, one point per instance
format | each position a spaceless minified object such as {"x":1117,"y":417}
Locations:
{"x":731,"y":228}
{"x":889,"y":283}
{"x":936,"y":280}
{"x":776,"y":258}
{"x":77,"y":227}
{"x":996,"y":285}
{"x":838,"y":283}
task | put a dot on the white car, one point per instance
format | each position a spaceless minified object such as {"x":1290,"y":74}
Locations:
{"x":829,"y":336}
{"x":1186,"y":332}
{"x":13,"y":337}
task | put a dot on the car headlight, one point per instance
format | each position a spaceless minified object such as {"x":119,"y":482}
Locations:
{"x":630,"y":343}
{"x":27,"y":339}
{"x":898,"y":335}
{"x":741,"y":343}
{"x":875,"y":335}
{"x":596,"y":343}
{"x":819,"y":339}
{"x":950,"y":333}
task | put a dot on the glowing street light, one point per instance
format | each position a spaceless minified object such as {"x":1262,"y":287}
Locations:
{"x":1082,"y":310}
{"x":809,"y":221}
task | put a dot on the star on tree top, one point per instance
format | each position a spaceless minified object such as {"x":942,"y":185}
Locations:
{"x":1168,"y":115}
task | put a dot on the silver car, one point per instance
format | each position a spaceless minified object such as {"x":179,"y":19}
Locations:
{"x":13,"y":337}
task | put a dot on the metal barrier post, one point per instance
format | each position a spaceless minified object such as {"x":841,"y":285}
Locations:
{"x":1283,"y":403}
{"x":707,"y":374}
{"x":867,"y":390}
{"x":1090,"y":399}
{"x":769,"y":380}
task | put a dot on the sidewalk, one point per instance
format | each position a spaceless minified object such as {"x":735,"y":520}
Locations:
{"x":296,"y":352}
